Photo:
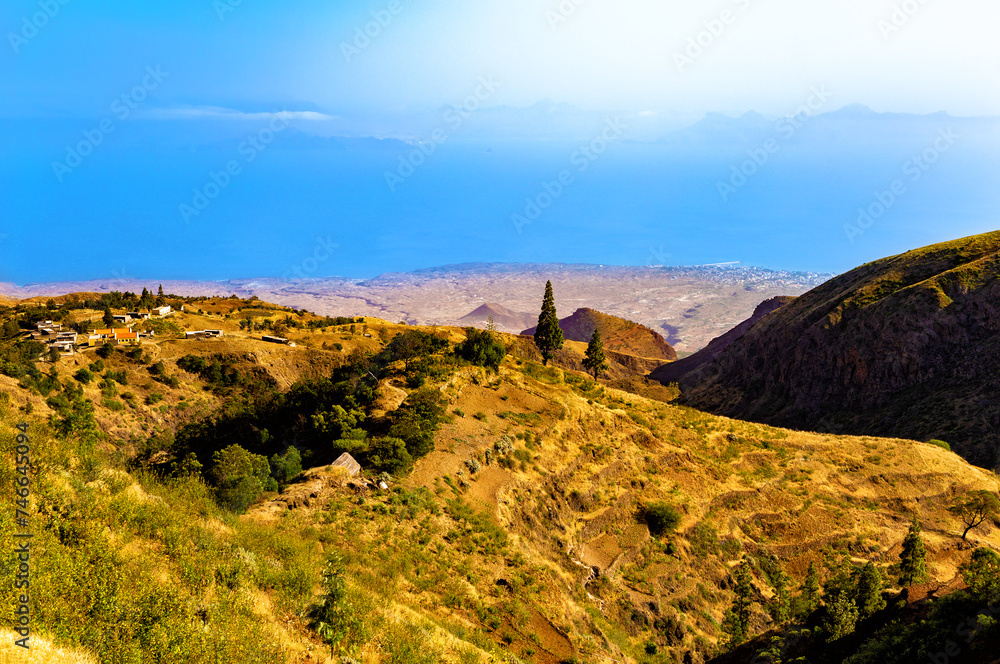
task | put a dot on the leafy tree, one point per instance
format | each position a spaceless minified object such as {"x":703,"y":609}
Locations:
{"x":53,"y":355}
{"x":84,"y":375}
{"x":286,"y":467}
{"x":662,"y":518}
{"x":338,"y":422}
{"x":869,"y":591}
{"x":189,"y":466}
{"x":736,"y":623}
{"x":912,"y":559}
{"x":982,"y":573}
{"x":416,"y":420}
{"x":159,"y":293}
{"x":390,"y":455}
{"x":780,"y":605}
{"x":840,"y":580}
{"x":808,"y":599}
{"x":240,"y":476}
{"x":11,"y":329}
{"x":482,"y":348}
{"x":548,"y":334}
{"x":841,"y":617}
{"x":109,"y":318}
{"x":596,"y":361}
{"x":412,"y":344}
{"x":974,"y":508}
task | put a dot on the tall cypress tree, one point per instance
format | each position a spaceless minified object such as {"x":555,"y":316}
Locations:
{"x":596,"y":361}
{"x":548,"y":335}
{"x":912,"y":565}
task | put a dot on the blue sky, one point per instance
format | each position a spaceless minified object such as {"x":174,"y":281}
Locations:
{"x":171,"y":94}
{"x":591,"y":53}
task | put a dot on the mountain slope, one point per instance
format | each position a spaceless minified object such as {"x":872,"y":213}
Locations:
{"x":688,"y":366}
{"x":906,"y":346}
{"x":521,"y":534}
{"x":618,"y":334}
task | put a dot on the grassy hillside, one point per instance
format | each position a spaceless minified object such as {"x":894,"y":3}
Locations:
{"x":521,"y":533}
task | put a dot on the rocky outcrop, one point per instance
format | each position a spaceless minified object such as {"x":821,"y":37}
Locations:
{"x":907,"y":346}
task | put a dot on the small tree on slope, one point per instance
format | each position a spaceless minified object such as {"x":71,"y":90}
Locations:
{"x":596,"y":361}
{"x":974,"y":508}
{"x":736,"y":624}
{"x":912,"y":564}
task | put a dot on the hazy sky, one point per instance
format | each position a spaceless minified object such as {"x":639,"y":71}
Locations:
{"x":621,"y":54}
{"x":123,"y":118}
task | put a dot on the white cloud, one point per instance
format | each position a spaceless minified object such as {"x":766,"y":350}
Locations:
{"x":217,"y":112}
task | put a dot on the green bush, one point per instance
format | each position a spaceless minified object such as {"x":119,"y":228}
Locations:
{"x":662,"y":518}
{"x":482,"y":348}
{"x":390,"y":455}
{"x":286,"y":467}
{"x":240,"y":476}
{"x":940,"y":443}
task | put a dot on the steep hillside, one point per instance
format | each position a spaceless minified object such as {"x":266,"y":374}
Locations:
{"x":693,"y":364}
{"x":905,"y":346}
{"x":618,"y":334}
{"x":505,"y":319}
{"x":517,"y":523}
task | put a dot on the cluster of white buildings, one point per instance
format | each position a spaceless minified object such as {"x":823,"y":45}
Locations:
{"x":68,"y":342}
{"x":54,"y":337}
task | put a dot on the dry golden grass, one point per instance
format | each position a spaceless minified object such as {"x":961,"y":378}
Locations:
{"x":40,"y":652}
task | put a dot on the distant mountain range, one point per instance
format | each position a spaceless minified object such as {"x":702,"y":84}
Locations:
{"x":687,"y":305}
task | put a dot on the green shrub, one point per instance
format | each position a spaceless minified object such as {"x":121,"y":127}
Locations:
{"x":287,"y":467}
{"x":239,"y":476}
{"x":940,"y":443}
{"x":482,"y":348}
{"x":662,"y":518}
